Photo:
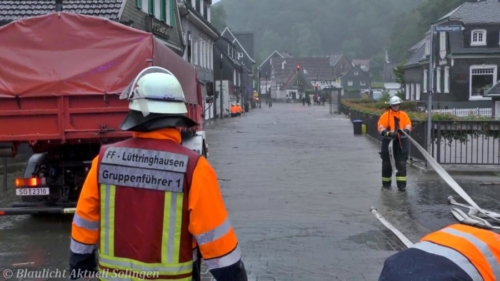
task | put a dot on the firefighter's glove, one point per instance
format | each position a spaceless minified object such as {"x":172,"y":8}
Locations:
{"x":389,"y":134}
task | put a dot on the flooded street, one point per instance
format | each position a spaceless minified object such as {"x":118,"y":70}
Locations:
{"x":298,"y":187}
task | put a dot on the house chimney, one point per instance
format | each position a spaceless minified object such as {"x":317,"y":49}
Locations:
{"x":59,"y":5}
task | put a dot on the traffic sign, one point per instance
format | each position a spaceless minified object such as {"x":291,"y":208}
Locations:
{"x":449,"y":28}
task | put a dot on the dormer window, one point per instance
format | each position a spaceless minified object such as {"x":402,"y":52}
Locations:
{"x":478,"y":37}
{"x":356,"y":73}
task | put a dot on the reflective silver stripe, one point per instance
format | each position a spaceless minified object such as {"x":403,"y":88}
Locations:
{"x":83,"y":223}
{"x":481,"y":246}
{"x":381,"y":127}
{"x":214,"y":234}
{"x":146,"y":158}
{"x":226,"y":260}
{"x":141,"y":178}
{"x":408,"y":127}
{"x":451,"y":254}
{"x":107,"y":204}
{"x":161,"y":269}
{"x":171,"y":228}
{"x":80,"y":248}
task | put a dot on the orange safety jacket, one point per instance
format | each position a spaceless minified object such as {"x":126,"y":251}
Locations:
{"x":475,"y":250}
{"x":393,"y":120}
{"x":234,"y":109}
{"x":143,"y":202}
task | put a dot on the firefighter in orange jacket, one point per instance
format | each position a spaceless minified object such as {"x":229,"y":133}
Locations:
{"x":390,"y":125}
{"x":456,"y":252}
{"x":150,"y":205}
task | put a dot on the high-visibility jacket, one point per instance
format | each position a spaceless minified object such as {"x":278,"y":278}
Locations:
{"x":456,"y":252}
{"x":474,"y":250}
{"x":392,"y":121}
{"x":149,"y":203}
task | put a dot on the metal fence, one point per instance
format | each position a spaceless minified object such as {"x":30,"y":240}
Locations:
{"x":466,"y":142}
{"x":453,"y":142}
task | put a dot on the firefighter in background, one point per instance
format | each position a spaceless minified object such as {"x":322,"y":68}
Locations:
{"x":457,"y":252}
{"x":152,"y":204}
{"x":390,"y":125}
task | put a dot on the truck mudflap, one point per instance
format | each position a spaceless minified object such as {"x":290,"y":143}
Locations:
{"x":35,"y":211}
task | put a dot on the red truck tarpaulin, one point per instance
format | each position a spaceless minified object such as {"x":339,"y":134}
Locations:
{"x":64,"y":54}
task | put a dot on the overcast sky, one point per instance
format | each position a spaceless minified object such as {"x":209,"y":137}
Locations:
{"x":215,"y":1}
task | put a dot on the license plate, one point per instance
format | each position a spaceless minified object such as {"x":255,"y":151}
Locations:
{"x":32,"y":191}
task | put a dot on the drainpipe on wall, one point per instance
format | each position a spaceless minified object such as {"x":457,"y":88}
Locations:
{"x":59,"y":5}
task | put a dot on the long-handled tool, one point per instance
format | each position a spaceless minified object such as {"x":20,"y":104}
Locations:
{"x":394,"y":230}
{"x":447,"y":178}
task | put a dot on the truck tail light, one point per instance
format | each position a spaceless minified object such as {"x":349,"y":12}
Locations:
{"x":30,"y":182}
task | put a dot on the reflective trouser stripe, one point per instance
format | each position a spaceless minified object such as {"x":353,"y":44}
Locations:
{"x":384,"y":179}
{"x":226,"y":260}
{"x":481,"y":246}
{"x":400,"y":178}
{"x":172,"y":223}
{"x":451,"y":254}
{"x":107,"y":241}
{"x":143,"y":268}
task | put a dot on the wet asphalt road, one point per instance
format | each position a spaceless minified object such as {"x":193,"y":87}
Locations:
{"x":298,"y":186}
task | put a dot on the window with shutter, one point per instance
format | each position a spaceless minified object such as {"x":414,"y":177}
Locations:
{"x":173,"y":10}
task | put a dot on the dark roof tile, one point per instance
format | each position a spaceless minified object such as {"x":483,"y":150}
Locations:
{"x":313,"y":67}
{"x":416,"y":56}
{"x":486,"y":11}
{"x":17,"y":9}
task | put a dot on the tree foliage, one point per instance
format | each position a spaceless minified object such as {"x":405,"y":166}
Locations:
{"x":411,"y":26}
{"x":359,"y":28}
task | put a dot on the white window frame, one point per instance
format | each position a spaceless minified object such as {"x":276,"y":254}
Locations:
{"x":412,"y":90}
{"x":209,"y":16}
{"x":350,"y":83}
{"x":442,"y":41}
{"x":446,"y":80}
{"x":495,"y":75}
{"x":145,"y":6}
{"x":202,"y":62}
{"x":168,"y":18}
{"x":425,"y":79}
{"x":195,"y":52}
{"x":438,"y":79}
{"x":210,"y":57}
{"x":157,"y":9}
{"x":417,"y":91}
{"x":407,"y":94}
{"x":362,"y":83}
{"x":202,"y":12}
{"x":477,"y":42}
{"x":427,"y":45}
{"x":356,"y":73}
